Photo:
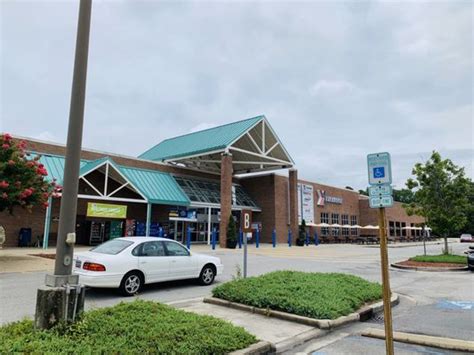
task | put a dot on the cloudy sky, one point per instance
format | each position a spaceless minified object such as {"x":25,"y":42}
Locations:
{"x":337,"y":80}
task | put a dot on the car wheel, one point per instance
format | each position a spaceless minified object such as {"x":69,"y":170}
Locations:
{"x":207,"y":275}
{"x":131,"y":284}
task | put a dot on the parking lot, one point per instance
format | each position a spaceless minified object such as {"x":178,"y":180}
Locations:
{"x":433,"y":303}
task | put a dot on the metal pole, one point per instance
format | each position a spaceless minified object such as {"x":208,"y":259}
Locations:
{"x":209,"y":226}
{"x":148,"y":219}
{"x":67,"y":213}
{"x":245,"y":254}
{"x":47,"y":223}
{"x":387,"y":307}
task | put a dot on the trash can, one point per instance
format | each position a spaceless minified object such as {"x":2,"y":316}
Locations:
{"x":24,"y":237}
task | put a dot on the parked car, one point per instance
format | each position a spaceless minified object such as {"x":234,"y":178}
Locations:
{"x":470,"y":258}
{"x":466,"y":238}
{"x":130,"y":262}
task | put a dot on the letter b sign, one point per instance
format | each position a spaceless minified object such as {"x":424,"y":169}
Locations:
{"x":246,"y":218}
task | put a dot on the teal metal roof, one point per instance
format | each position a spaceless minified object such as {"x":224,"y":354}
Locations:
{"x":200,"y":142}
{"x":157,"y":187}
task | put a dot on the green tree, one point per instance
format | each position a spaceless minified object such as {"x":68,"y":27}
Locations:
{"x":231,"y":233}
{"x":440,"y":195}
{"x":22,"y":180}
{"x":301,"y":234}
{"x":469,"y":227}
{"x":404,"y":195}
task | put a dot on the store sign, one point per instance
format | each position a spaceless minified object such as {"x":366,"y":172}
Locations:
{"x":323,"y":198}
{"x":106,"y":210}
{"x":305,"y":203}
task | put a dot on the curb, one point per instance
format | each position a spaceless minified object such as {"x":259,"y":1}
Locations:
{"x":421,"y":268}
{"x":262,"y":347}
{"x":362,"y":314}
{"x":426,"y":340}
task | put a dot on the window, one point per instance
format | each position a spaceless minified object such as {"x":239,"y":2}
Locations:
{"x":345,"y":221}
{"x":391,"y":227}
{"x":412,"y":230}
{"x":398,"y":229}
{"x":325,"y":219}
{"x":149,"y":249}
{"x":404,"y":231}
{"x":334,"y":220}
{"x":354,"y":231}
{"x":112,"y":247}
{"x":175,"y":249}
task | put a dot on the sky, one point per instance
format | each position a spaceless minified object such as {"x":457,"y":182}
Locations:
{"x":336,"y":80}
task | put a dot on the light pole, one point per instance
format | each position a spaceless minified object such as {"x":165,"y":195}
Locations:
{"x":58,"y":300}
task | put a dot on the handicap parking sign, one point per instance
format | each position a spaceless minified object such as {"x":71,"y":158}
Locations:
{"x":379,"y":172}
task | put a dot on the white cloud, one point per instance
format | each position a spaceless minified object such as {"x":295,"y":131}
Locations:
{"x":331,"y":87}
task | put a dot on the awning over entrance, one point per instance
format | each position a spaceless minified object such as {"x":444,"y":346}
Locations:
{"x":120,"y":183}
{"x":252,"y":142}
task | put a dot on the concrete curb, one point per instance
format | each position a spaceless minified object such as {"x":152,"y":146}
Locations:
{"x":426,"y":340}
{"x":262,"y":347}
{"x":421,"y":268}
{"x":362,"y":314}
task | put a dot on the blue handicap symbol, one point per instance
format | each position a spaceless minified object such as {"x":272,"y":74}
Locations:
{"x":379,"y":172}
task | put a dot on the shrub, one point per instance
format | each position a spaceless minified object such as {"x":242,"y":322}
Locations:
{"x":129,"y":328}
{"x":231,"y":233}
{"x":442,"y":258}
{"x":316,"y":295}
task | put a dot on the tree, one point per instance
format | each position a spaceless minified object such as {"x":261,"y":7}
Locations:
{"x":22,"y":180}
{"x":440,"y":195}
{"x":301,"y":234}
{"x":231,"y":241}
{"x":469,"y":227}
{"x":364,"y":192}
{"x":403,"y":195}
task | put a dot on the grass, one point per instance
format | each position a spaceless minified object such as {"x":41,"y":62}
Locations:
{"x":135,"y":327}
{"x":315,"y":295}
{"x":442,"y":258}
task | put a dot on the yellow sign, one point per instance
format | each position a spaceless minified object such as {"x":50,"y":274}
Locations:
{"x":106,"y":210}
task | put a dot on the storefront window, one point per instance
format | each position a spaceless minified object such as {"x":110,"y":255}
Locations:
{"x":334,"y":220}
{"x":404,"y":231}
{"x":325,"y":219}
{"x":391,"y":226}
{"x":354,"y":231}
{"x":345,"y":220}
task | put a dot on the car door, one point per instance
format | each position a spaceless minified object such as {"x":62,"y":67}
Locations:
{"x":182,"y":265}
{"x":152,"y":261}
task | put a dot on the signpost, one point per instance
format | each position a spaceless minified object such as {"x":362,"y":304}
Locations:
{"x":246,"y":221}
{"x":380,"y":196}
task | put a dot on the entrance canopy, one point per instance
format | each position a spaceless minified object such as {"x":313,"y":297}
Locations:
{"x":252,"y":142}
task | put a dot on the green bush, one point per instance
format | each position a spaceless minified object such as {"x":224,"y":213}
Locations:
{"x":231,"y":241}
{"x":135,"y":327}
{"x":442,"y":258}
{"x":315,"y":295}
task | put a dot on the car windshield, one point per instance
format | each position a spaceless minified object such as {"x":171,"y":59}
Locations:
{"x":112,"y":247}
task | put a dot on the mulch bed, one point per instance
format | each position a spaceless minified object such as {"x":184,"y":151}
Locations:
{"x":46,"y":256}
{"x":426,"y":264}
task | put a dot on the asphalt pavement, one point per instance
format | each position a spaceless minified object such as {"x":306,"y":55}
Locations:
{"x":433,"y":303}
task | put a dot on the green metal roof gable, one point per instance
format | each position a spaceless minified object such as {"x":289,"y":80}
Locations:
{"x":208,"y":140}
{"x":158,"y":187}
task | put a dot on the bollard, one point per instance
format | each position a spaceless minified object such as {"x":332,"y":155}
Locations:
{"x":289,"y":238}
{"x":316,"y":240}
{"x":240,"y":238}
{"x":307,"y":238}
{"x":257,"y":238}
{"x":188,"y":238}
{"x":274,"y":238}
{"x":213,"y":239}
{"x":160,"y":232}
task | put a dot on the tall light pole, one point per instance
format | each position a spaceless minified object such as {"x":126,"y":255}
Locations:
{"x":54,"y":300}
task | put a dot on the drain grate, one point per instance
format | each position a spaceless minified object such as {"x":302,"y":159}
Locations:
{"x":377,"y":318}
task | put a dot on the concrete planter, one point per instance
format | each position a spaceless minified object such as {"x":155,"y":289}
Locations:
{"x":424,"y":268}
{"x":362,"y":314}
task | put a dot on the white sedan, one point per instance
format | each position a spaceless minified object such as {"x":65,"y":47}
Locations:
{"x":129,"y":263}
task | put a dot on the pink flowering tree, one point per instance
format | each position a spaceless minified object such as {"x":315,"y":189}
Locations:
{"x":23,"y":181}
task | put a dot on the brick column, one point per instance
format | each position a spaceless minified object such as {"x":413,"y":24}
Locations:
{"x":226,"y":197}
{"x":293,"y":189}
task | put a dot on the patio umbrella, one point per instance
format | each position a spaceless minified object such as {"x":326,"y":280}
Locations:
{"x":356,"y":226}
{"x":346,"y":226}
{"x":335,"y":225}
{"x":407,"y":227}
{"x":322,"y":225}
{"x":370,"y":227}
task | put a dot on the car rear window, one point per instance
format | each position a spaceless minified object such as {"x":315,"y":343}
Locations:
{"x":112,"y":247}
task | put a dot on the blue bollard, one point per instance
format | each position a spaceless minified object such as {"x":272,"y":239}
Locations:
{"x":240,"y":238}
{"x":274,"y":238}
{"x":257,"y":238}
{"x":289,"y":238}
{"x":160,"y":232}
{"x":213,"y":239}
{"x":188,"y":238}
{"x":307,"y":238}
{"x":316,"y":239}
